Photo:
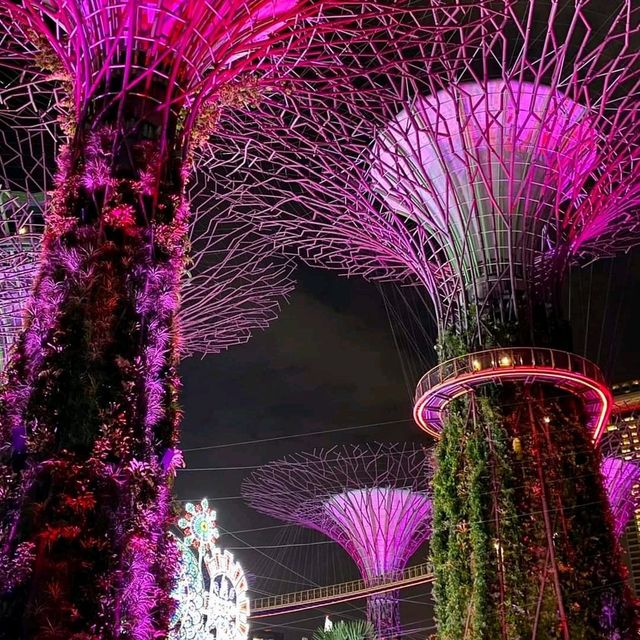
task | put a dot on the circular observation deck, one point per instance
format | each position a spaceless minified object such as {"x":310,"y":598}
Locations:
{"x":458,"y":376}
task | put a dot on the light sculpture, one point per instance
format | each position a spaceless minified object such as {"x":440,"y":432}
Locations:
{"x":482,"y":180}
{"x":89,"y":413}
{"x":373,"y":500}
{"x":212,"y":587}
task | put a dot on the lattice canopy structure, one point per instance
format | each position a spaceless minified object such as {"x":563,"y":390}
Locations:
{"x":482,"y":179}
{"x":489,"y":172}
{"x":235,"y":277}
{"x":620,"y":477}
{"x":373,"y":500}
{"x":20,"y":232}
{"x":90,"y":406}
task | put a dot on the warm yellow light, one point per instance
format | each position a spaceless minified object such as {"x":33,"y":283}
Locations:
{"x":505,"y":361}
{"x":476,"y":365}
{"x":22,"y":230}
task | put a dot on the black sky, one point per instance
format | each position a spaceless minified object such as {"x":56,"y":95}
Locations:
{"x":331,"y":362}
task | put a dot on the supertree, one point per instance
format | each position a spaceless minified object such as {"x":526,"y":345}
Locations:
{"x":620,"y":477}
{"x":89,"y":412}
{"x":483,"y":180}
{"x":373,"y":500}
{"x":235,"y":278}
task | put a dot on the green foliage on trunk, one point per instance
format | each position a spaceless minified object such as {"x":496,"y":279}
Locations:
{"x":498,"y":475}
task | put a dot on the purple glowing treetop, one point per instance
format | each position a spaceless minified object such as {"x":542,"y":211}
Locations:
{"x":487,"y":176}
{"x":381,"y":528}
{"x":620,"y":478}
{"x":374,"y":500}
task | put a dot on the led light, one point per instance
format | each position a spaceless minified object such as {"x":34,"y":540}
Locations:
{"x":475,"y":364}
{"x":505,"y":361}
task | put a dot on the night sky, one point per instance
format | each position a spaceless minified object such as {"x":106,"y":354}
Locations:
{"x":334,"y":360}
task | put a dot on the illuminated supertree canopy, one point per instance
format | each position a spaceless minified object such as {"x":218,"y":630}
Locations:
{"x":89,"y":413}
{"x":482,"y":179}
{"x":374,"y":500}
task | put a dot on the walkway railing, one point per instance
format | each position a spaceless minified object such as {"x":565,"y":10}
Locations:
{"x":460,"y":375}
{"x":506,"y":359}
{"x":336,"y":593}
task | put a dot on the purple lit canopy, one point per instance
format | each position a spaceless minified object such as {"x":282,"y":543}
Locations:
{"x":620,"y":478}
{"x":19,"y":242}
{"x":374,"y":500}
{"x":380,"y":527}
{"x":483,"y":179}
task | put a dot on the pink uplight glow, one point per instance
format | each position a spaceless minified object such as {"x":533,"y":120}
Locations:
{"x":186,"y":46}
{"x":481,"y":183}
{"x":620,"y":478}
{"x":380,"y":527}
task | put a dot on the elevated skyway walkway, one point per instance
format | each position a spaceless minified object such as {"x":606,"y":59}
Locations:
{"x":337,"y":593}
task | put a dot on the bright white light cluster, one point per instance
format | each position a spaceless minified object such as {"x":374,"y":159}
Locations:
{"x":212,"y":588}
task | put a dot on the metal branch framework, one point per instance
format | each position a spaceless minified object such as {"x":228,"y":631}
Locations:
{"x":620,"y":478}
{"x":236,"y":277}
{"x":374,"y":500}
{"x":89,"y":414}
{"x":488,"y":175}
{"x":483,"y":178}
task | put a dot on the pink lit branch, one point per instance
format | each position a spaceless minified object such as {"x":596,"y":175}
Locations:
{"x":620,"y":479}
{"x":478,"y":178}
{"x":236,"y":278}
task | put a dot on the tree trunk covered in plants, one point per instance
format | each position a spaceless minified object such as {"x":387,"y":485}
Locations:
{"x":522,"y":543}
{"x":383,"y":614}
{"x":88,"y":411}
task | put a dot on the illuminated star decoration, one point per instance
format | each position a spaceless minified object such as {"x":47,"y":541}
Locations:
{"x":199,"y":525}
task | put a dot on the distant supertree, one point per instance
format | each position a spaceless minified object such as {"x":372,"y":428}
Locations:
{"x":373,"y":500}
{"x":620,"y":477}
{"x":482,"y":180}
{"x":89,"y":413}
